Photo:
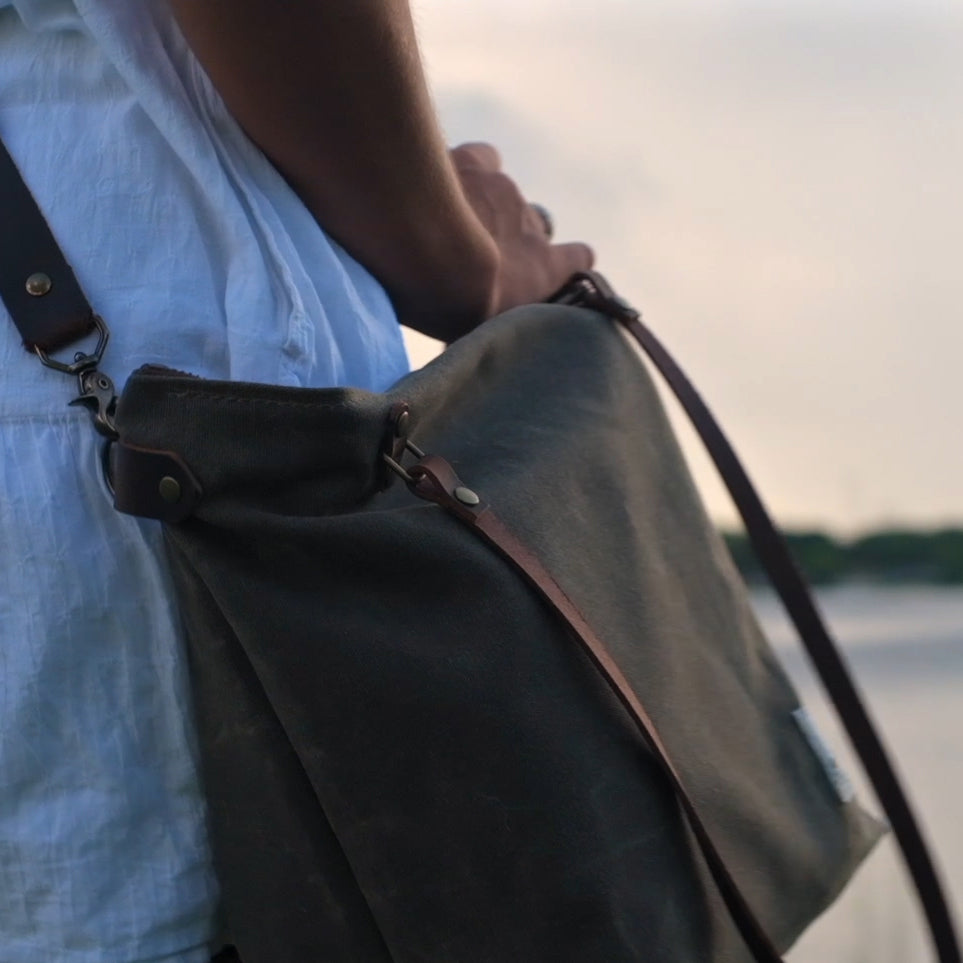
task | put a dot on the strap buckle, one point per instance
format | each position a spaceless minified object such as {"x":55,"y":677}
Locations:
{"x":589,"y":289}
{"x":398,"y":468}
{"x":97,"y":392}
{"x":82,"y":361}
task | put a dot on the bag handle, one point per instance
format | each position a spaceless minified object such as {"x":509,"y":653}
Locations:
{"x":773,"y":553}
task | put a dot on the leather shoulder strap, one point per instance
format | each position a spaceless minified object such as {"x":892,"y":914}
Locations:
{"x":36,"y":283}
{"x":433,"y":479}
{"x":773,"y":552}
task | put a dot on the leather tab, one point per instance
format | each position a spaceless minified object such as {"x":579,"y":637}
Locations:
{"x":152,"y":484}
{"x":435,"y":481}
{"x":27,"y":250}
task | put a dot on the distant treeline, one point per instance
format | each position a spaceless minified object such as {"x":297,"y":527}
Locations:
{"x":886,"y":556}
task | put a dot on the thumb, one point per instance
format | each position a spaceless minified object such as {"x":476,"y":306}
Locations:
{"x":569,"y":259}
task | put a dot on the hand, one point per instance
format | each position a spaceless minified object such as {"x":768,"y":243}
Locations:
{"x":529,"y":267}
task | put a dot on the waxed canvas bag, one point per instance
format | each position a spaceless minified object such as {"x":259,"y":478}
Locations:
{"x":408,"y":756}
{"x":513,"y":706}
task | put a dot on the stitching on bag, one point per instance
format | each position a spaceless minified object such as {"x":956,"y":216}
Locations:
{"x":240,"y":399}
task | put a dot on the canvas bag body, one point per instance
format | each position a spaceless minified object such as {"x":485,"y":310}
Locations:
{"x":407,"y":756}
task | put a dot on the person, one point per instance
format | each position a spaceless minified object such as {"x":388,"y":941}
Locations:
{"x":246,"y":190}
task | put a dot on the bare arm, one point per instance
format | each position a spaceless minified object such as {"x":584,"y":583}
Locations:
{"x":333,"y":92}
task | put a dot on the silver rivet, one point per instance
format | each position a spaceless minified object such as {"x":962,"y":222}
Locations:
{"x":466,"y":496}
{"x":39,"y":284}
{"x":170,"y":490}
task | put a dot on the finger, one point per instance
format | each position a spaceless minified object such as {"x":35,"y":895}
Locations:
{"x":477,"y":156}
{"x":569,"y":259}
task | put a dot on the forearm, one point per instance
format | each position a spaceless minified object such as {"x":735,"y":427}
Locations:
{"x":334,"y":93}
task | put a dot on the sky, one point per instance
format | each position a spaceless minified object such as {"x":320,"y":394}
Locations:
{"x":775,"y":185}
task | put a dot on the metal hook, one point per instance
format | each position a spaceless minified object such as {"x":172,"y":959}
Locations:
{"x":97,"y":394}
{"x":400,"y":469}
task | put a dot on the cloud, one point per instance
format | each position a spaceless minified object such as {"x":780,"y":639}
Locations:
{"x":778,"y":187}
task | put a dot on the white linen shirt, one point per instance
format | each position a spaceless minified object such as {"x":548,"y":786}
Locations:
{"x":199,"y":257}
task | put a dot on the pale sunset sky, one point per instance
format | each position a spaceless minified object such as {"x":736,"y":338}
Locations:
{"x":776,"y":185}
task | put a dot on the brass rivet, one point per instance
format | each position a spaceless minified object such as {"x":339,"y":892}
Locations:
{"x":466,"y":496}
{"x":170,"y":490}
{"x":39,"y":284}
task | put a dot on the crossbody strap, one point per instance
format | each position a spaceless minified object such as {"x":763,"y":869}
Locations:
{"x":433,"y":479}
{"x":774,"y":555}
{"x":36,"y":282}
{"x":45,"y":301}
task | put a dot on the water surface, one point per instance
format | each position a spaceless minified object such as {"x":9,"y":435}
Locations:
{"x":905,"y":645}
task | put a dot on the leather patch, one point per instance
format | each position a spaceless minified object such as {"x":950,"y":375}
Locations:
{"x":152,"y":484}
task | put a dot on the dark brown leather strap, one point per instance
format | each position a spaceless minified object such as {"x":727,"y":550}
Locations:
{"x":774,"y":554}
{"x":435,"y":480}
{"x":57,"y":312}
{"x":592,"y":290}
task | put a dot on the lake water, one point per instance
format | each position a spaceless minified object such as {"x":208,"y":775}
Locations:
{"x":906,"y":648}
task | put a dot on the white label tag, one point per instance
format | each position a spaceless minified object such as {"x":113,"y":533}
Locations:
{"x":837,"y":778}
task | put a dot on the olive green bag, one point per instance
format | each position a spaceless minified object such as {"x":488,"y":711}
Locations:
{"x":414,"y":748}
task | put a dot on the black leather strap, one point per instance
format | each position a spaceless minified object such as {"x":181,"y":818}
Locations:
{"x":48,"y":320}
